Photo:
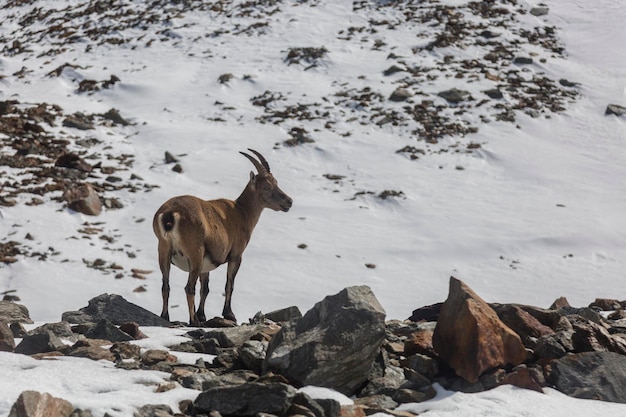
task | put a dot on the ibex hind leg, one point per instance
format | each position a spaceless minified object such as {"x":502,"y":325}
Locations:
{"x":164,"y":265}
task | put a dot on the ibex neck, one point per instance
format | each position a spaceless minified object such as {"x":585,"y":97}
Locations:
{"x":250,"y":205}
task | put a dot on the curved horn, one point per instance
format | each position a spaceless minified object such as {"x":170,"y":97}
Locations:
{"x":260,"y":168}
{"x":262,"y":159}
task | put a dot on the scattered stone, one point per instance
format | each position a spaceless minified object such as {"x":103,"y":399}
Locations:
{"x":341,"y":334}
{"x":560,"y":303}
{"x":114,"y":116}
{"x":178,"y":168}
{"x":471,"y":338}
{"x":83,"y":199}
{"x":522,"y":60}
{"x":132,"y":329}
{"x":73,"y":161}
{"x":494,"y":93}
{"x":36,"y":404}
{"x":79,"y":121}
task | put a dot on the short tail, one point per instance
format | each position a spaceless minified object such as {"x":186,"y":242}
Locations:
{"x":167,"y":221}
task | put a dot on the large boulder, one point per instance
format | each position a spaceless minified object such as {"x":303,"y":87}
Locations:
{"x":591,"y":375}
{"x":334,"y":344}
{"x":471,"y":338}
{"x":117,"y":310}
{"x":36,"y":404}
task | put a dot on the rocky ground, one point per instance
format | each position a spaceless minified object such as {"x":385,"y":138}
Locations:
{"x":343,"y":343}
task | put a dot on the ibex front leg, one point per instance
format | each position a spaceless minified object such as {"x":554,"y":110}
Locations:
{"x":204,"y":292}
{"x":233,"y":267}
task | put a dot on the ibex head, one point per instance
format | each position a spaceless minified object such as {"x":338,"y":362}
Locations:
{"x":266,"y":185}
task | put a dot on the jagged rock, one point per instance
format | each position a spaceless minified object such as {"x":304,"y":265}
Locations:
{"x":247,"y":399}
{"x":11,"y":312}
{"x":169,"y":158}
{"x":306,"y":405}
{"x":39,"y":343}
{"x":591,"y":375}
{"x":106,"y":330}
{"x":83,"y":199}
{"x":559,"y":303}
{"x":615,"y":109}
{"x":252,"y":353}
{"x":116,"y":309}
{"x":424,"y":365}
{"x":589,"y":336}
{"x":7,"y":342}
{"x":554,"y":346}
{"x":284,"y":314}
{"x":471,"y":338}
{"x":36,"y":404}
{"x":334,"y":344}
{"x":522,"y":323}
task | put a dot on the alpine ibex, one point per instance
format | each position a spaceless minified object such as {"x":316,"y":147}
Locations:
{"x":198,"y":235}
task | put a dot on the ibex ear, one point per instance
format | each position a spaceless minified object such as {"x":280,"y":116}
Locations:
{"x":251,"y":176}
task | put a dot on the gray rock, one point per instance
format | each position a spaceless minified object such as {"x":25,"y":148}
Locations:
{"x":284,"y":315}
{"x":11,"y":312}
{"x":61,"y":329}
{"x":522,"y":60}
{"x":400,"y":94}
{"x":539,"y":11}
{"x":106,"y":330}
{"x":39,"y":343}
{"x":591,"y":375}
{"x":494,"y":93}
{"x":246,"y":399}
{"x":615,"y":109}
{"x":228,"y":337}
{"x":252,"y":353}
{"x":117,"y":310}
{"x":334,"y":344}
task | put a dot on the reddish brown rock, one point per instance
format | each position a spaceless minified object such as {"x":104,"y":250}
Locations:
{"x":606,"y":304}
{"x":522,"y":323}
{"x":523,"y":378}
{"x":36,"y":404}
{"x":471,"y":338}
{"x":560,"y":303}
{"x":420,"y":341}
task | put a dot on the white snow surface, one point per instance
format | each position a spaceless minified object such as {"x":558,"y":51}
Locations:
{"x":536,"y":213}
